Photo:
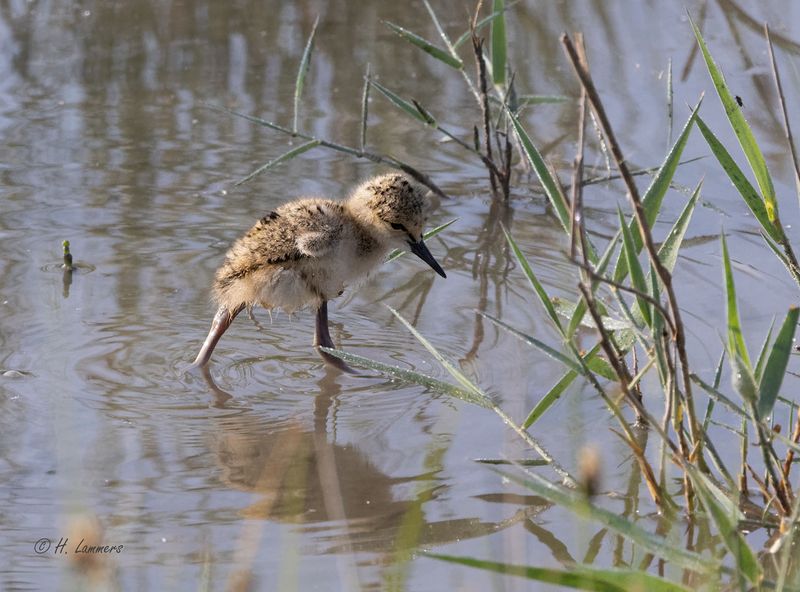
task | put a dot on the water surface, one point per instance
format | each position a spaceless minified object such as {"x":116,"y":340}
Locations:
{"x":292,"y":475}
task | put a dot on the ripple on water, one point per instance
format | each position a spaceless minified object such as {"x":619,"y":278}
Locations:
{"x":78,"y":268}
{"x":275,"y":370}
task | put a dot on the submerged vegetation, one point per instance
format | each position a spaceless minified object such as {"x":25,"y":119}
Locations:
{"x":625,"y":296}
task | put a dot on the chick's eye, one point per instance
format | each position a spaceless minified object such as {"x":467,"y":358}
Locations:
{"x":397,"y":226}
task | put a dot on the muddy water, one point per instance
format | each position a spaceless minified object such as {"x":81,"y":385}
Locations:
{"x":289,"y":475}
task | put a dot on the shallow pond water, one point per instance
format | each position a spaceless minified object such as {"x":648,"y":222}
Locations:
{"x":290,"y":475}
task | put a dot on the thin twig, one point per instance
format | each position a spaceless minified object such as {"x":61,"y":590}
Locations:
{"x":533,"y":443}
{"x":618,"y":286}
{"x":787,"y":128}
{"x":504,"y":148}
{"x":787,"y":464}
{"x":506,"y":180}
{"x":761,"y":485}
{"x":623,"y":375}
{"x":477,"y":47}
{"x":371,"y":156}
{"x":770,"y":458}
{"x":617,"y":363}
{"x":743,"y":475}
{"x":647,"y":238}
{"x":576,"y":203}
{"x":365,"y":109}
{"x":669,"y":103}
{"x":636,"y":172}
{"x":658,"y":493}
{"x":487,"y":163}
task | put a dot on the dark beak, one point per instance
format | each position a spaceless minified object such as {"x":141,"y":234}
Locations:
{"x":421,"y":251}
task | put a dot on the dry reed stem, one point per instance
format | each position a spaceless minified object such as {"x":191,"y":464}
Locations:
{"x":762,"y":486}
{"x":477,"y":47}
{"x":787,"y":128}
{"x":576,"y":203}
{"x":582,"y":71}
{"x":787,"y":464}
{"x":616,"y":361}
{"x":578,"y":233}
{"x":743,"y":487}
{"x":770,"y":458}
{"x":647,"y":471}
{"x":630,"y":289}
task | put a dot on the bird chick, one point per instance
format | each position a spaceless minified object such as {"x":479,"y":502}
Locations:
{"x":308,"y":251}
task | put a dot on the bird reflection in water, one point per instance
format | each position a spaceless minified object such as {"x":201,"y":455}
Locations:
{"x":339,"y":498}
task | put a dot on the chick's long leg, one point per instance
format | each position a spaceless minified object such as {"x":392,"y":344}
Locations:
{"x":222,"y":320}
{"x":322,"y":338}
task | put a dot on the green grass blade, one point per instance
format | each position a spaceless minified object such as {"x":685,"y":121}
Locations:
{"x":410,"y":376}
{"x":718,"y":371}
{"x":658,"y":327}
{"x":409,"y":108}
{"x":305,"y":62}
{"x":580,"y":308}
{"x":549,"y":398}
{"x":762,"y":355}
{"x":283,"y":157}
{"x":668,"y":252}
{"x":499,"y":45}
{"x":525,"y":100}
{"x":426,"y":46}
{"x":426,"y":116}
{"x":742,"y":130}
{"x":550,"y":351}
{"x":776,"y":364}
{"x":742,"y":184}
{"x":718,"y":396}
{"x":736,"y":345}
{"x":465,"y":382}
{"x":580,"y":577}
{"x":467,"y":35}
{"x":576,"y":318}
{"x":433,"y":232}
{"x":555,"y":393}
{"x":726,"y":502}
{"x":725,"y":516}
{"x":542,"y":172}
{"x":601,"y":366}
{"x":440,"y":29}
{"x":567,"y":309}
{"x":525,"y":462}
{"x":637,"y":275}
{"x":778,"y":253}
{"x":743,"y":382}
{"x":537,"y":287}
{"x":654,"y":196}
{"x":578,"y":504}
{"x":670,"y":100}
{"x":634,"y":325}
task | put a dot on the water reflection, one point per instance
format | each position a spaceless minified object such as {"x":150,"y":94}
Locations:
{"x":300,"y":475}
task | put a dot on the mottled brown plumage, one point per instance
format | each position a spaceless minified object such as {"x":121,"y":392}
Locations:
{"x":309,"y":251}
